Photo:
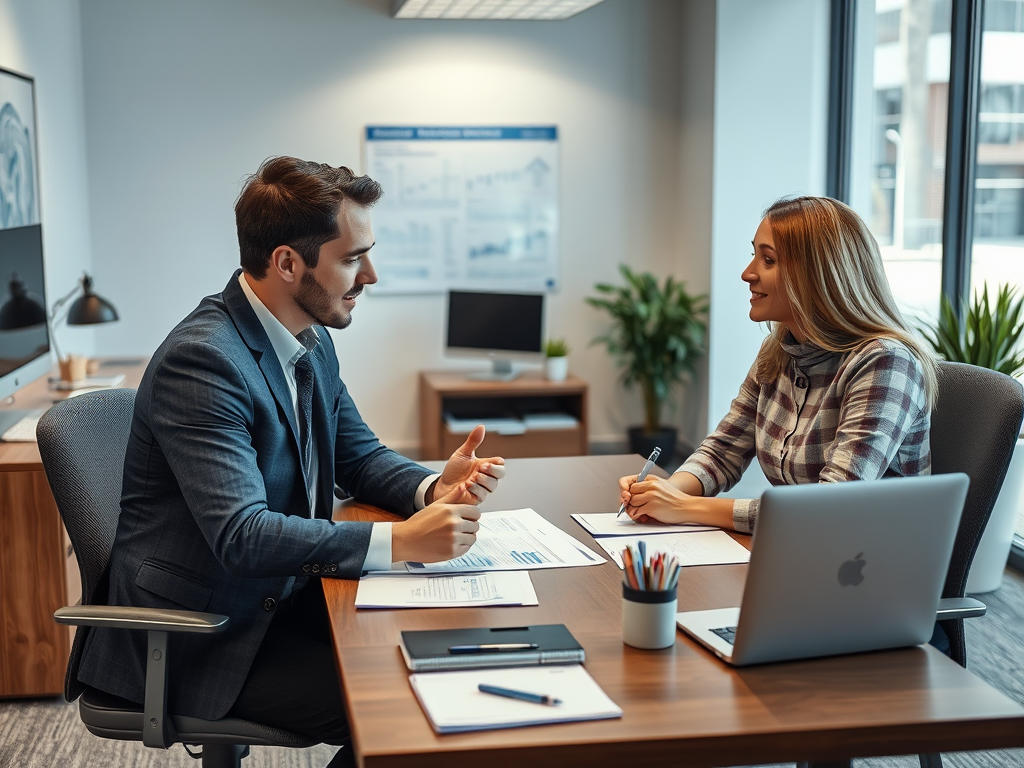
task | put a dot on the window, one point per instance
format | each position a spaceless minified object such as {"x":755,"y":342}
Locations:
{"x":948,"y":215}
{"x":899,"y":119}
{"x":997,"y":248}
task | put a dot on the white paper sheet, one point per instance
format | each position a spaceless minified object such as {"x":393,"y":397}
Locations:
{"x":609,"y":524}
{"x":471,"y":589}
{"x":514,"y":540}
{"x":701,"y":548}
{"x":453,"y":703}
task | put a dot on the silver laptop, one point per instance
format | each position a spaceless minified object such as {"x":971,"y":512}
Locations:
{"x":839,"y":568}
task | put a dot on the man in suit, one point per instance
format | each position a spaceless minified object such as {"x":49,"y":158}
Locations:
{"x":242,"y":429}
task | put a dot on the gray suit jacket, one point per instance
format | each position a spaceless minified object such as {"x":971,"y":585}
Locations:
{"x":214,"y":512}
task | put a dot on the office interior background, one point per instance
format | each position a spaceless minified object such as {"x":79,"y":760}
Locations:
{"x":679,"y":122}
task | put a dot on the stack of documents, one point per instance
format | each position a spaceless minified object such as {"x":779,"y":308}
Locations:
{"x":453,"y":702}
{"x":701,"y":548}
{"x":610,"y":524}
{"x":549,"y":421}
{"x":401,"y":590}
{"x":512,"y":540}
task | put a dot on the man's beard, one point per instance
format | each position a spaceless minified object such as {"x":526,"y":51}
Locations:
{"x":316,"y":302}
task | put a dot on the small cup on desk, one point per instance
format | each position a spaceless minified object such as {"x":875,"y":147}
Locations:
{"x":72,"y":368}
{"x":648,"y":617}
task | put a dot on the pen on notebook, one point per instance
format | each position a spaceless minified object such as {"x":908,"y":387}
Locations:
{"x":643,"y":474}
{"x":489,"y":647}
{"x":510,"y":693}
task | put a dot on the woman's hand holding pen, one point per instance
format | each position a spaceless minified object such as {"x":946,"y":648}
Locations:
{"x":679,"y":499}
{"x":653,"y":499}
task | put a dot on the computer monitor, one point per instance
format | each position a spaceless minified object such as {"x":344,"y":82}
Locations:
{"x":24,"y":338}
{"x":501,"y":326}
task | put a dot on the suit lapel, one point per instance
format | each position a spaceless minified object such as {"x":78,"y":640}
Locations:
{"x":251,"y":330}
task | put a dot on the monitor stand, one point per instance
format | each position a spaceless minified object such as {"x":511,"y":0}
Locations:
{"x":501,"y":370}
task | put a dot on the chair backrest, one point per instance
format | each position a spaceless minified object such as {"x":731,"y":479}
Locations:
{"x":974,"y":429}
{"x":82,"y":442}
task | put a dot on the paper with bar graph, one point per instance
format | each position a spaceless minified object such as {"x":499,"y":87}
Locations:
{"x":471,"y":207}
{"x":516,"y":540}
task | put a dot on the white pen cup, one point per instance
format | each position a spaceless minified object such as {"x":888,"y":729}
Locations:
{"x":648,"y":617}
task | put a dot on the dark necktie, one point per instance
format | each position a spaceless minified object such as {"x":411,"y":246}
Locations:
{"x":304,"y":390}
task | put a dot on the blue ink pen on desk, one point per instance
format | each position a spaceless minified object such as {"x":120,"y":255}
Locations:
{"x":510,"y":693}
{"x":643,"y":474}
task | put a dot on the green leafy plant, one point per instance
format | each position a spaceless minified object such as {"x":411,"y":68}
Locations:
{"x":658,"y":335}
{"x":556,"y":348}
{"x":985,"y":335}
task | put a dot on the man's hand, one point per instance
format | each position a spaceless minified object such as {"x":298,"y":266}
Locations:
{"x":441,"y":531}
{"x":476,"y":477}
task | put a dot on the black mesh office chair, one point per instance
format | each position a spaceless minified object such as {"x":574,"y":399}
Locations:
{"x":974,"y":430}
{"x":975,"y":426}
{"x":82,"y":442}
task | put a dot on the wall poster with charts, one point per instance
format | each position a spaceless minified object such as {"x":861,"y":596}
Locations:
{"x":474,"y":208}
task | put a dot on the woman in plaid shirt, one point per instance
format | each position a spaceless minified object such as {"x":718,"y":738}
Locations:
{"x":841,"y":389}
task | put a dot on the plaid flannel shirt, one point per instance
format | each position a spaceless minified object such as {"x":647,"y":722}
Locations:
{"x":830,"y":417}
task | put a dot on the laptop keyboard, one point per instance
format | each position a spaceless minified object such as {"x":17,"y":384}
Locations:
{"x":726,"y":633}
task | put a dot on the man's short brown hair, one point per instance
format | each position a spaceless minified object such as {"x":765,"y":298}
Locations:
{"x":295,"y":203}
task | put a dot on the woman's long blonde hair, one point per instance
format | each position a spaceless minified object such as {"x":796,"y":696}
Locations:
{"x":832,"y":273}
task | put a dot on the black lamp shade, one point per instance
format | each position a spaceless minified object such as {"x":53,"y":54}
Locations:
{"x":89,"y":308}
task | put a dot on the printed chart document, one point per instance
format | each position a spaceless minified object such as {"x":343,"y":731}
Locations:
{"x":702,"y":548}
{"x":513,"y":540}
{"x":441,"y":591}
{"x":453,"y":703}
{"x":609,"y":524}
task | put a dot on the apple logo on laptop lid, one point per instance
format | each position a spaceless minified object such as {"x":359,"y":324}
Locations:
{"x":850,"y":572}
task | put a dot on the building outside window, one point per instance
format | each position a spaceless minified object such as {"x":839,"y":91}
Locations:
{"x":898,"y":146}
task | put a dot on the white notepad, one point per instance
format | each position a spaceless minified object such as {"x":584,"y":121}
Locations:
{"x":453,"y":704}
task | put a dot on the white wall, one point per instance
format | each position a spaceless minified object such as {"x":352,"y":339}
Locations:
{"x":771,"y":116}
{"x":43,"y":40}
{"x":186,"y":98}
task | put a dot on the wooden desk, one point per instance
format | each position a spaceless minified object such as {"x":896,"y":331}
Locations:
{"x":38,"y":571}
{"x":682,"y":706}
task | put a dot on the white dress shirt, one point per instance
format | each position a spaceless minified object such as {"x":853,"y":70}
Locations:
{"x":288,"y":350}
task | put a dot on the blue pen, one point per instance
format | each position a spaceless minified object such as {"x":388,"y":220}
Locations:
{"x":511,"y":693}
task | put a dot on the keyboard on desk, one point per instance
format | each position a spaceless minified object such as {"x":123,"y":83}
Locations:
{"x":23,"y":430}
{"x":726,"y":633}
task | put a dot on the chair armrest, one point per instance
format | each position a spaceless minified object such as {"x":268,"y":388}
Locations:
{"x":157,"y":622}
{"x":128,"y":617}
{"x":959,"y":608}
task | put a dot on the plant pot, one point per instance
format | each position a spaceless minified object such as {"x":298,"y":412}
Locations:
{"x":643,"y":442}
{"x":990,"y":560}
{"x":556,"y":368}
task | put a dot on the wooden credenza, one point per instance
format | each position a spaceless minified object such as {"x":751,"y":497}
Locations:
{"x":451,"y":391}
{"x":38,"y":570}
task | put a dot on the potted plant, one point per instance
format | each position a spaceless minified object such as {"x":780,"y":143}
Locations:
{"x":658,"y":334}
{"x":557,"y":363}
{"x":988,"y":336}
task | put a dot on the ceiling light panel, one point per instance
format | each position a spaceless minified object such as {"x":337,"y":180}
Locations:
{"x":537,"y":10}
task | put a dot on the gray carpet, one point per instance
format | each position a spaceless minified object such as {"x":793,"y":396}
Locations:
{"x":46,"y":732}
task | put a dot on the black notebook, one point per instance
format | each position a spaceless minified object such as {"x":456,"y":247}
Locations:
{"x":430,"y":650}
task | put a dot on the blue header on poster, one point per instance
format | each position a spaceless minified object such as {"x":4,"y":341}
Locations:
{"x":460,"y":133}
